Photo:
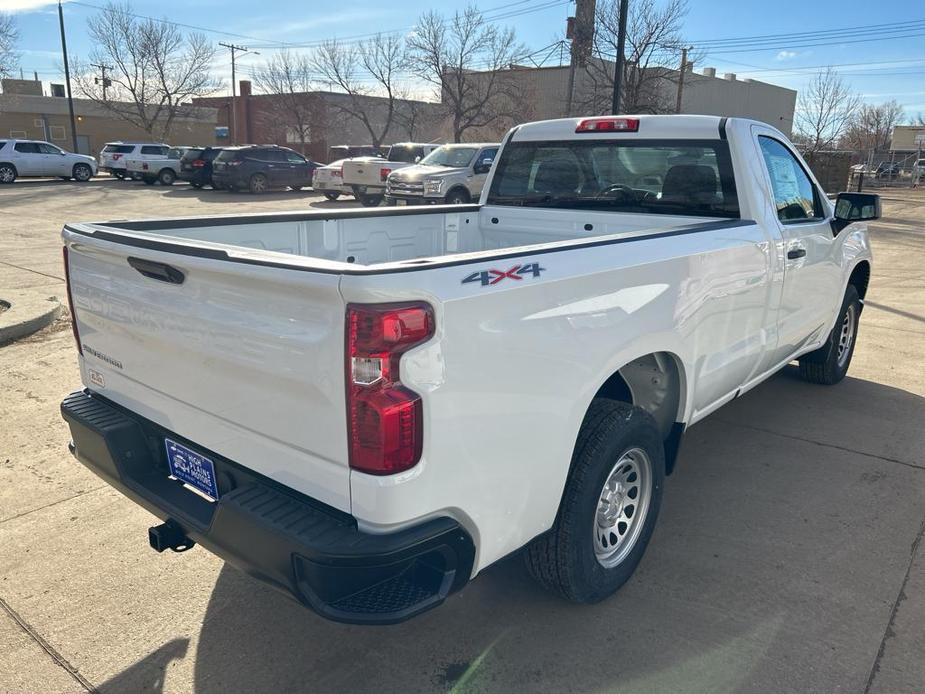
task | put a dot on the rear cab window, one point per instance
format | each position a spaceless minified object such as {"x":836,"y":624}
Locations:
{"x":119,"y":149}
{"x":407,"y":155}
{"x":682,"y":177}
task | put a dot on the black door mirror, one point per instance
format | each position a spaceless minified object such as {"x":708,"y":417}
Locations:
{"x":483,"y":166}
{"x":855,"y":207}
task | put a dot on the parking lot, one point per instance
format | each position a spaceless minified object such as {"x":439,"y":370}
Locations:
{"x":787,"y":558}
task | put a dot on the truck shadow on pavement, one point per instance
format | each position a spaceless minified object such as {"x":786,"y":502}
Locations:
{"x":772,"y":563}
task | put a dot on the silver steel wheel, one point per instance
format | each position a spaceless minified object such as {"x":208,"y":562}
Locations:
{"x":622,"y":507}
{"x":82,"y":173}
{"x":259,"y":183}
{"x":7,"y":174}
{"x":846,"y":335}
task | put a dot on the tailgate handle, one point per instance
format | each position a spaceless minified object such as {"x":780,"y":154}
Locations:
{"x":157,"y":271}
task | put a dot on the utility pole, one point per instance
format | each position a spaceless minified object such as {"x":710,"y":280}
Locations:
{"x":67,"y":77}
{"x":105,"y":81}
{"x":618,"y":68}
{"x":234,"y":49}
{"x":681,"y":78}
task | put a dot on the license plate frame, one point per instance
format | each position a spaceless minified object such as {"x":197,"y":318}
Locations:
{"x":195,"y":470}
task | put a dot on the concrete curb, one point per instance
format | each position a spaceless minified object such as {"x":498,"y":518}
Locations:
{"x":28,"y":312}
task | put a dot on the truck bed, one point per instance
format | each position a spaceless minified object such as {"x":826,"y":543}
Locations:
{"x":357,"y":240}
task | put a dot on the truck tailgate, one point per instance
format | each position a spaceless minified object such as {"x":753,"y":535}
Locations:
{"x":242,"y":360}
{"x":363,"y":172}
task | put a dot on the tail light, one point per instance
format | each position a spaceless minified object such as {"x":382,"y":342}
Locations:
{"x":384,"y":418}
{"x":608,"y":125}
{"x":338,"y":173}
{"x":235,"y":162}
{"x":384,"y":174}
{"x":198,"y":164}
{"x":70,"y":301}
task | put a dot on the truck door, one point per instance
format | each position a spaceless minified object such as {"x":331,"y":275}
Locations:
{"x":480,"y":169}
{"x":811,"y":275}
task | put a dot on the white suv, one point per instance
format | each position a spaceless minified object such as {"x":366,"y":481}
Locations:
{"x":20,"y":158}
{"x":114,"y":155}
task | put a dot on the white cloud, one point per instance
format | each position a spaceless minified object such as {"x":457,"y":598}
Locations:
{"x":24,"y":5}
{"x":786,"y":55}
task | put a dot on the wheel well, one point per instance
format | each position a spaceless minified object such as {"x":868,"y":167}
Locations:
{"x":654,"y":383}
{"x":166,"y":168}
{"x":860,"y":277}
{"x":458,"y":188}
{"x":9,"y":163}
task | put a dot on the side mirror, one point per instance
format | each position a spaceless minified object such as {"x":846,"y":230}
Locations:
{"x":483,"y":166}
{"x":855,"y":207}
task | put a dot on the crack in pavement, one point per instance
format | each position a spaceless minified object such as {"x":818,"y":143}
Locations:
{"x":59,"y":659}
{"x":54,"y":503}
{"x":889,"y":633}
{"x":884,"y":458}
{"x":26,"y":269}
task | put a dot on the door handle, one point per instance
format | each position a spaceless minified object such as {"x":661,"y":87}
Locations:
{"x":157,"y":271}
{"x":796,"y":253}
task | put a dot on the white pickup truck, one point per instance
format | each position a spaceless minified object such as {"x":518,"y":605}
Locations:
{"x":366,"y":408}
{"x":367,"y":176}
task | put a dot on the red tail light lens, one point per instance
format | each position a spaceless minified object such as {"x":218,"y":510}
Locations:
{"x":384,"y":418}
{"x":70,"y":300}
{"x":198,"y":164}
{"x":384,"y":174}
{"x":608,"y":125}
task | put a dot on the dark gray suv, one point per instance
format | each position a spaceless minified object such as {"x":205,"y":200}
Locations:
{"x":260,"y":168}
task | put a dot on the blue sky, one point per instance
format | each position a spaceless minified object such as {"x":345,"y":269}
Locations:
{"x":890,"y":67}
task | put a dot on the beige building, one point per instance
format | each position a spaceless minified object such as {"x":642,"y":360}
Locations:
{"x":33,"y":116}
{"x":908,"y":138}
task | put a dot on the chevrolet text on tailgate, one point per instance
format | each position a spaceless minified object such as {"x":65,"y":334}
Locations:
{"x":365,"y":408}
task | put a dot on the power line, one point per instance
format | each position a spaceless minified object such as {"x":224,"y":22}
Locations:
{"x":810,"y":34}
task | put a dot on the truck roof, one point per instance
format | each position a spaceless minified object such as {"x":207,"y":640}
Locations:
{"x":650,"y":127}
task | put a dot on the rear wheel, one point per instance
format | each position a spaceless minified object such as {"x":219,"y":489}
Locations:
{"x":167,"y":177}
{"x":331,"y":196}
{"x":609,"y":507}
{"x":258,"y":183}
{"x":7,"y":173}
{"x":82,"y":173}
{"x":829,"y":364}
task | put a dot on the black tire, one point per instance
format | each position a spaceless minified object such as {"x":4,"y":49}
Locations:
{"x":331,"y":196}
{"x":7,"y":173}
{"x":457,"y":197}
{"x":82,"y":173}
{"x":166,"y":177}
{"x":258,"y":183}
{"x":829,"y":364}
{"x":118,"y":174}
{"x":564,"y":559}
{"x":295,"y":189}
{"x":370,"y":200}
{"x":149,"y":181}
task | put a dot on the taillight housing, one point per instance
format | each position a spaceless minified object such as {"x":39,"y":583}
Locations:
{"x":608,"y":125}
{"x":385,"y":420}
{"x":198,"y":164}
{"x":384,"y":174}
{"x":70,"y":300}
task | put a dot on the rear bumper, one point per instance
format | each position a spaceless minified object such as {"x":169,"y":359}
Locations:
{"x":312,"y":552}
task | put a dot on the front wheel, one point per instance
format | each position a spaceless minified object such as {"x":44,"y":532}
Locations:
{"x":370,"y":200}
{"x":609,"y":507}
{"x":82,"y":173}
{"x":457,"y":197}
{"x":829,"y":364}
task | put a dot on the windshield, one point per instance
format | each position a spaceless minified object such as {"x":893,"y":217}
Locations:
{"x":455,"y":157}
{"x":685,"y":177}
{"x":408,"y":155}
{"x":192,"y":154}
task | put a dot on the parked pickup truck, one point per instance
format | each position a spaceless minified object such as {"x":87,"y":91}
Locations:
{"x":366,"y":408}
{"x":451,"y":174}
{"x":164,"y":170}
{"x":366,"y":176}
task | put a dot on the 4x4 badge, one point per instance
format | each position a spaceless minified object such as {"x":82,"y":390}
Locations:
{"x":518,"y":272}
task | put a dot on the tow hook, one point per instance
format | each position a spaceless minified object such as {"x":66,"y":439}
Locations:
{"x":169,"y":535}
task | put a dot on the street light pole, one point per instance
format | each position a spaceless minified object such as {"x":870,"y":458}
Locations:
{"x":618,"y":68}
{"x":67,"y":77}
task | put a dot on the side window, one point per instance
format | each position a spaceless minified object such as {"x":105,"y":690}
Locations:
{"x":157,"y":151}
{"x":46,"y":148}
{"x":794,"y":193}
{"x":27,"y":148}
{"x":488,"y":154}
{"x":294,"y":158}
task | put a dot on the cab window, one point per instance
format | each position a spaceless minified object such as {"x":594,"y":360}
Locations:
{"x":795,"y":195}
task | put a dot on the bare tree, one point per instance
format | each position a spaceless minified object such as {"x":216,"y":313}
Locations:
{"x":409,"y":113}
{"x":363,"y":70}
{"x":824,"y":111}
{"x":469,"y":61}
{"x":154,"y":69}
{"x":653,"y":45}
{"x":8,"y":38}
{"x":872,"y":126}
{"x":294,"y":111}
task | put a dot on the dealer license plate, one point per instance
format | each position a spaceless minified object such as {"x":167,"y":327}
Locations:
{"x":192,"y":468}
